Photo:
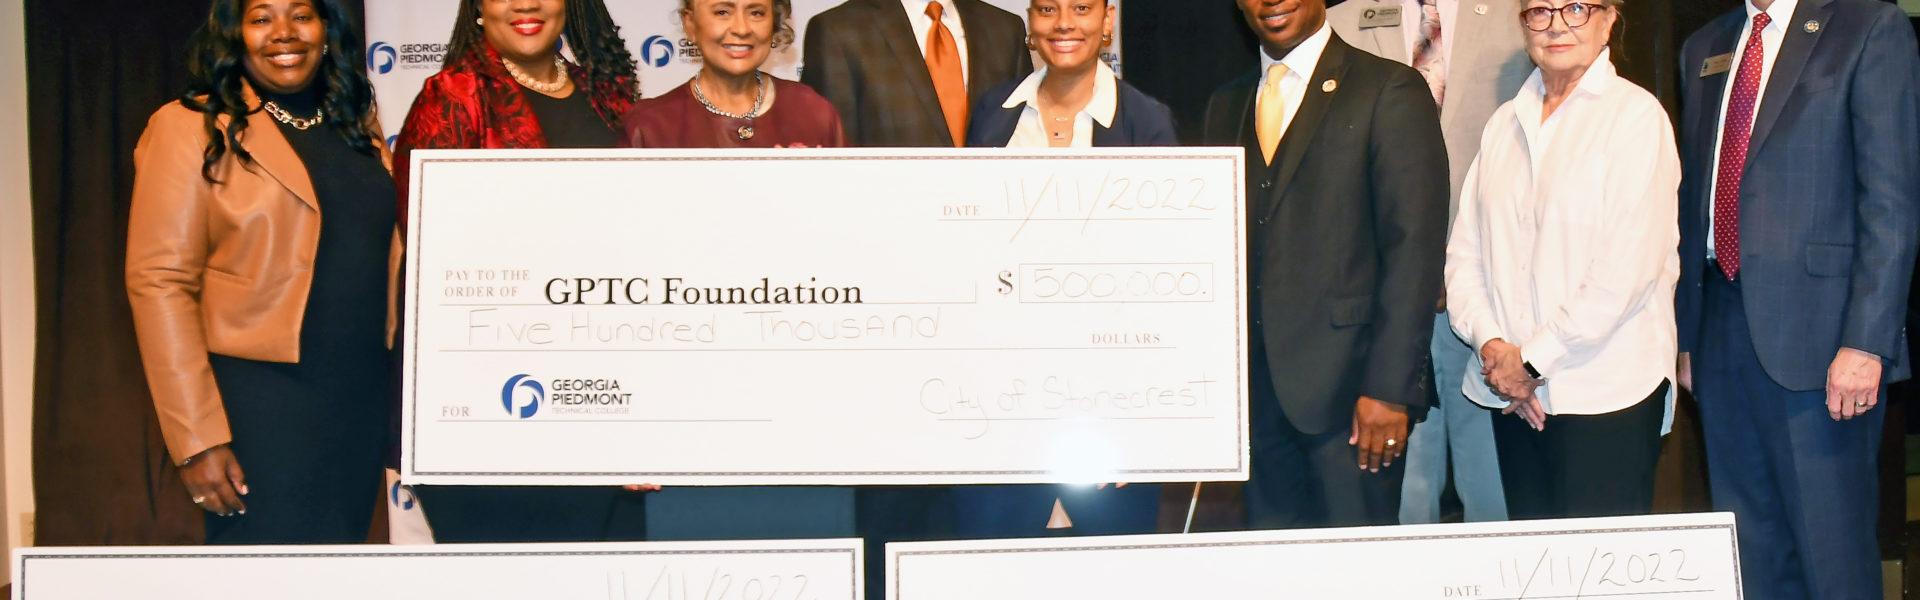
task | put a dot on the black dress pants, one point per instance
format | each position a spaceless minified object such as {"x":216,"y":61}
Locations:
{"x":1582,"y":465}
{"x":1310,"y":479}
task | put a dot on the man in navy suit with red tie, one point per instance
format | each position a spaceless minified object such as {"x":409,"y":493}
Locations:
{"x":1799,"y":213}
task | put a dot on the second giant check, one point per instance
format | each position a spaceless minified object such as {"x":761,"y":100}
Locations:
{"x":825,"y":317}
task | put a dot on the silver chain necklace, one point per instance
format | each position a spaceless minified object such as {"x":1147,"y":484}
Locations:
{"x":759,"y":97}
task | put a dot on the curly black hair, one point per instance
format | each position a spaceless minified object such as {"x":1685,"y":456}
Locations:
{"x":590,"y":32}
{"x":782,"y":19}
{"x":215,"y":69}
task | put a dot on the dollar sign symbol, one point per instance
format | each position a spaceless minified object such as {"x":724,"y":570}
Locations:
{"x":1006,"y":283}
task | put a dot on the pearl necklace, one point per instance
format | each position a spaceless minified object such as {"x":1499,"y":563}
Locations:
{"x":746,"y":131}
{"x":545,"y":87}
{"x":281,"y":115}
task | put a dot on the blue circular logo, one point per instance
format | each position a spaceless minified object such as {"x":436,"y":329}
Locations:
{"x":509,"y":396}
{"x":402,"y":496}
{"x":657,"y":51}
{"x":381,"y":57}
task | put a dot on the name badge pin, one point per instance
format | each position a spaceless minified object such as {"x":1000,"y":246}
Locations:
{"x":1380,"y":17}
{"x":1329,"y":86}
{"x":1812,"y":27}
{"x":1716,"y":65}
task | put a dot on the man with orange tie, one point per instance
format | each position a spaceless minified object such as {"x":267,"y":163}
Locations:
{"x":1347,"y":202}
{"x":903,"y":73}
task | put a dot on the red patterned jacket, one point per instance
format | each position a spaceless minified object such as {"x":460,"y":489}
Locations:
{"x":474,"y":103}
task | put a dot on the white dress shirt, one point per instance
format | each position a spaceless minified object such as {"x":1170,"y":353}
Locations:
{"x":1410,"y":27}
{"x":1781,"y":12}
{"x":1568,"y":247}
{"x":950,"y":14}
{"x":1300,"y":63}
{"x":1032,"y":130}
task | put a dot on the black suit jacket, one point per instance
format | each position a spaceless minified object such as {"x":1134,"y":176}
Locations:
{"x":1348,"y":233}
{"x":864,"y":57}
{"x":1830,"y":196}
{"x":1138,"y":120}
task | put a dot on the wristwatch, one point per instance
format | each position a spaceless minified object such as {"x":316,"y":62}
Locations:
{"x":1532,"y":372}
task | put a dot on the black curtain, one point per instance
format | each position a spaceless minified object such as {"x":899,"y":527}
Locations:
{"x":95,"y":71}
{"x":1180,"y":52}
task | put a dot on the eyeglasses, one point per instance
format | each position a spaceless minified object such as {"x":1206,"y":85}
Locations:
{"x":1540,"y":18}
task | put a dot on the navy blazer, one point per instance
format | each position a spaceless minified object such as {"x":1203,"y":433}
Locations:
{"x":1138,"y":120}
{"x":1830,"y":196}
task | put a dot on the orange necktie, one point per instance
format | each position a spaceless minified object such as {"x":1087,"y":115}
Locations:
{"x":943,"y":62}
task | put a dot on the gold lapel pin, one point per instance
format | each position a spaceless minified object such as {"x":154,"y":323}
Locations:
{"x":1329,"y":86}
{"x":1812,"y":27}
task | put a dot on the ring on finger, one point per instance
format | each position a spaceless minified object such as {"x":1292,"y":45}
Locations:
{"x":199,"y":499}
{"x":1391,"y":442}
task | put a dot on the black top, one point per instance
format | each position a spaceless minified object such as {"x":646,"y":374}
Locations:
{"x":571,"y":122}
{"x":347,"y":305}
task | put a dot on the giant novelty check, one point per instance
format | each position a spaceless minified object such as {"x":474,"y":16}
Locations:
{"x":819,"y":316}
{"x":1649,"y":557}
{"x":731,"y":570}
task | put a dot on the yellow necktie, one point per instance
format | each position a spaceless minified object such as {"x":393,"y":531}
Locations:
{"x":1271,"y":119}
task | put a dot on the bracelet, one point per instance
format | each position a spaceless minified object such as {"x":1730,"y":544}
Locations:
{"x":195,"y":457}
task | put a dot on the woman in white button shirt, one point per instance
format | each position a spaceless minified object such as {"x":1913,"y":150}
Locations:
{"x":1561,"y":270}
{"x":1073,"y":101}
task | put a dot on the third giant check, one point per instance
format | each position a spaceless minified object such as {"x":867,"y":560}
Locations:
{"x":818,"y":316}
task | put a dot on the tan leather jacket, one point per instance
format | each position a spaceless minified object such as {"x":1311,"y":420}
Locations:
{"x":219,"y":268}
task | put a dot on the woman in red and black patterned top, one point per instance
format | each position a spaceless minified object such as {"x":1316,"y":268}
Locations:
{"x":505,"y":85}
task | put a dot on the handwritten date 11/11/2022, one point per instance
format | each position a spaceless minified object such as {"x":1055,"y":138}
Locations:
{"x":672,"y":583}
{"x":1112,"y":198}
{"x":1598,"y":572}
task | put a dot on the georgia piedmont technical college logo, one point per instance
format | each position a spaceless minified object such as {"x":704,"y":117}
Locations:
{"x":401,"y":495}
{"x":658,"y":51}
{"x":381,"y":57}
{"x":510,"y":396}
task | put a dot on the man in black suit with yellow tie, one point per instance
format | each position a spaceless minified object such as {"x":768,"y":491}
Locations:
{"x":1347,"y":200}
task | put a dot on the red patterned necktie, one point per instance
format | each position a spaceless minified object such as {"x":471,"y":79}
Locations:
{"x":1734,"y":135}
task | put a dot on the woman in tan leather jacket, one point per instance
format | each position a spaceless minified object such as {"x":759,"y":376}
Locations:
{"x":263,"y":327}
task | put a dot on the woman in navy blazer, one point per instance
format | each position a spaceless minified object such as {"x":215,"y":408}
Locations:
{"x":1073,"y":101}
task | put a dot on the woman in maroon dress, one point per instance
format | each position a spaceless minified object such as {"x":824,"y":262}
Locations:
{"x":731,"y":103}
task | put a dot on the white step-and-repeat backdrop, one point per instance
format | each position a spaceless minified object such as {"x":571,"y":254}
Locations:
{"x":407,"y":39}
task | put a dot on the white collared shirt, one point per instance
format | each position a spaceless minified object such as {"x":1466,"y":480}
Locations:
{"x":1568,"y":247}
{"x":1032,"y":130}
{"x":1781,"y":12}
{"x":1410,"y":27}
{"x":1300,"y":64}
{"x":950,"y":14}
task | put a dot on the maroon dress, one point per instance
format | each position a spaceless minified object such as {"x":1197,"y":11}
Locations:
{"x":799,"y":117}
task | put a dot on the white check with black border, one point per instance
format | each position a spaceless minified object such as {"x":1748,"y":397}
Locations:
{"x":825,"y":316}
